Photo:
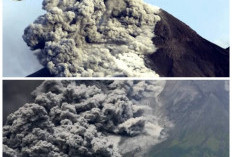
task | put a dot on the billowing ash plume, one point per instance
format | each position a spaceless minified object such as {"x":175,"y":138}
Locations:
{"x":94,"y":38}
{"x":71,"y":118}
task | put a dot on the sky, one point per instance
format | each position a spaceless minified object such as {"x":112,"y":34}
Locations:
{"x":208,"y":18}
{"x":16,"y":93}
{"x":18,"y":60}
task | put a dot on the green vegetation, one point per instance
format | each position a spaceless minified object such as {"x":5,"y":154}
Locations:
{"x":192,"y":146}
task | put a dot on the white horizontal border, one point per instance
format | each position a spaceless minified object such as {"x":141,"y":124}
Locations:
{"x":115,"y":78}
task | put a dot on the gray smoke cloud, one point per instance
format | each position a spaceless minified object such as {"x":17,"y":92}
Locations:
{"x":80,"y":38}
{"x":69,"y":118}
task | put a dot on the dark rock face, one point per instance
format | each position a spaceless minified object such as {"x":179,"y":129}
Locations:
{"x":183,"y":53}
{"x":41,"y":73}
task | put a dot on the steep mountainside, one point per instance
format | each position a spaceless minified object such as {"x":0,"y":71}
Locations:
{"x":200,"y":112}
{"x":183,"y":53}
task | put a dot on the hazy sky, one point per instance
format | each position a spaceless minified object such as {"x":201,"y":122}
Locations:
{"x":18,"y":60}
{"x":209,"y":18}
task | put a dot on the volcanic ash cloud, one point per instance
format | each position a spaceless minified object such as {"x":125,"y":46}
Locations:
{"x":70,"y":119}
{"x":97,"y":38}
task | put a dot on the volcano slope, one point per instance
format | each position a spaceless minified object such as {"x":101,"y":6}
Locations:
{"x":119,"y":38}
{"x":182,"y":52}
{"x":199,"y":111}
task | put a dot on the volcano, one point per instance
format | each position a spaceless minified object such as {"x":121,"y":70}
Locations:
{"x":120,"y":39}
{"x":200,"y":113}
{"x":182,"y":118}
{"x":183,"y":53}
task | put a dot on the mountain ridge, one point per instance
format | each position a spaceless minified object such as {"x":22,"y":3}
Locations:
{"x":183,"y":53}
